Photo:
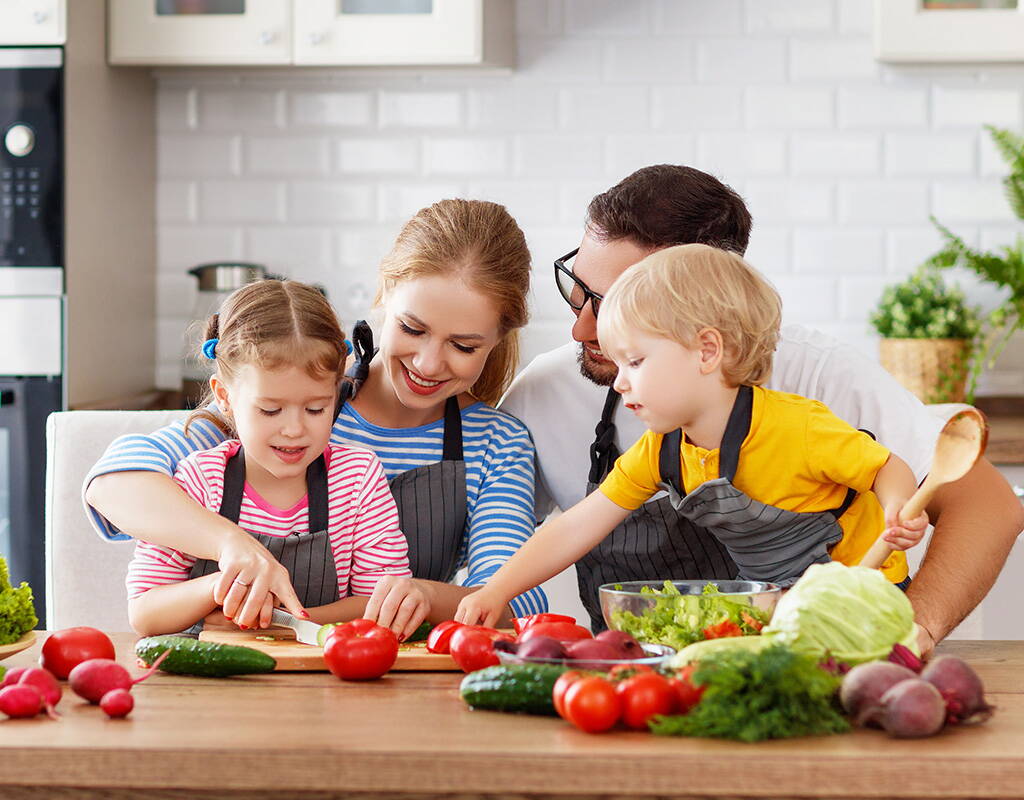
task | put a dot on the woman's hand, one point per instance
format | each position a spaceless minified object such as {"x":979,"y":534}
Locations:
{"x":250,"y":578}
{"x":400,"y":604}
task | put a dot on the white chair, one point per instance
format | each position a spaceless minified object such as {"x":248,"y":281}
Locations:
{"x":85,"y":574}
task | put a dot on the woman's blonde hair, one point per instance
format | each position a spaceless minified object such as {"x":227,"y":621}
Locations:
{"x":273,"y":324}
{"x":479,"y":243}
{"x":676,"y":292}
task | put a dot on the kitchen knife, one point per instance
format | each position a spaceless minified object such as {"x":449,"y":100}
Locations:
{"x":305,"y":632}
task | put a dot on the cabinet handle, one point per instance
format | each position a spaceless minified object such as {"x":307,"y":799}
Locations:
{"x":39,"y":17}
{"x":266,"y":37}
{"x":316,"y":38}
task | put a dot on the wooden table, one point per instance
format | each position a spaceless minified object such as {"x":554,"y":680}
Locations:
{"x":408,"y":735}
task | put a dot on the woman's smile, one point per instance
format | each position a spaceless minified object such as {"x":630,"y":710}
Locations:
{"x":419,"y":384}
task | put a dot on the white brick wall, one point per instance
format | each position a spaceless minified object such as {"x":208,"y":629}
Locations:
{"x":842,"y":160}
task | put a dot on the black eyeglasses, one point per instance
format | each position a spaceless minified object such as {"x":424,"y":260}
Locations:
{"x":575,"y":291}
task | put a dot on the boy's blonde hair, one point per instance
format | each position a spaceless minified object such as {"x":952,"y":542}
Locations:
{"x":678,"y":291}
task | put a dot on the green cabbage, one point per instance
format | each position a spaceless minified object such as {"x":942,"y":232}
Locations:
{"x":852,"y":614}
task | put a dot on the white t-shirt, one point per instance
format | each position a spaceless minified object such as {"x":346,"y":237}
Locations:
{"x":561,"y":408}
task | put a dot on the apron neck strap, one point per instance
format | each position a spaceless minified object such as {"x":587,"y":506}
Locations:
{"x":316,"y":491}
{"x":603,"y":451}
{"x":364,"y":351}
{"x":736,"y":430}
{"x":452,"y":430}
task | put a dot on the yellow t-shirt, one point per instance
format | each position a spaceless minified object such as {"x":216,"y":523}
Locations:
{"x":798,"y":456}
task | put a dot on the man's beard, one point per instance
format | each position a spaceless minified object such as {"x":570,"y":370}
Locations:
{"x":601,"y":374}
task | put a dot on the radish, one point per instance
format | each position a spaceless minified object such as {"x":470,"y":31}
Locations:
{"x":12,"y":676}
{"x":117,"y":703}
{"x":44,"y":681}
{"x":960,"y":688}
{"x":94,"y":678}
{"x":21,"y":700}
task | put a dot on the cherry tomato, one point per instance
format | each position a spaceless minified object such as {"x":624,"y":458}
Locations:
{"x":565,"y":680}
{"x":563,"y":631}
{"x":592,"y":705}
{"x":439,"y":638}
{"x":723,"y":629}
{"x":621,"y":672}
{"x":687,"y":692}
{"x":472,"y":649}
{"x":644,"y":696}
{"x":360,"y":650}
{"x":64,"y":650}
{"x":520,"y":624}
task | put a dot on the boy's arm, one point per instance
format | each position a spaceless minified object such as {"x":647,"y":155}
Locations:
{"x":894,"y":485}
{"x":554,"y":546}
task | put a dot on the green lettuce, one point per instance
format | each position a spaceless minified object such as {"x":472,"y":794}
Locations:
{"x":852,"y":614}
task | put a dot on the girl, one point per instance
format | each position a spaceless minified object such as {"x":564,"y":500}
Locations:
{"x":323,"y":510}
{"x":453,"y":292}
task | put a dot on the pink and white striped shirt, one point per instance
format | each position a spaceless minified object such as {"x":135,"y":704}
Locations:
{"x":363,"y":528}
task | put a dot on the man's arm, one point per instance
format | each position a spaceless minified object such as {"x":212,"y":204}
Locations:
{"x":977,"y":520}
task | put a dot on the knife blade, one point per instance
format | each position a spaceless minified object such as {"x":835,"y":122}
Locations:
{"x":305,"y":632}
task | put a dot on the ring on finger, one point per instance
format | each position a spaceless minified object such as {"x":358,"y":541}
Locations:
{"x":240,"y":582}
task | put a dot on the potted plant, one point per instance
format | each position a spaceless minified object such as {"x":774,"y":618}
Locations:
{"x":927,"y":332}
{"x":1004,"y":268}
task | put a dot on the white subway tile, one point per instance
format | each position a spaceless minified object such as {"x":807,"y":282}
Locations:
{"x":699,"y":17}
{"x":513,"y":108}
{"x":643,"y":60}
{"x":883,"y":107}
{"x":697,"y":107}
{"x":557,"y":60}
{"x":288,"y":156}
{"x":466,"y":156}
{"x":539,"y":17}
{"x":170,"y":347}
{"x":971,"y":201}
{"x":770,"y":249}
{"x":807,"y":299}
{"x":832,"y":59}
{"x":529,"y":202}
{"x":859,"y":296}
{"x":180,"y":247}
{"x":175,"y":201}
{"x":788,"y":108}
{"x":176,"y":109}
{"x":789,"y":16}
{"x":240,"y":109}
{"x":626,"y":153}
{"x":197,"y":155}
{"x":789,"y":201}
{"x":558,"y":156}
{"x":299,"y":252}
{"x":341,"y":109}
{"x":359,"y":251}
{"x":575,"y":197}
{"x":420,"y":109}
{"x":972,"y":108}
{"x":321,"y":201}
{"x":741,"y":153}
{"x":175,"y":294}
{"x":606,"y":18}
{"x":378,"y":155}
{"x":855,"y":16}
{"x":605,"y":108}
{"x":741,"y":61}
{"x":241,"y":201}
{"x":402,"y":202}
{"x":908,"y":248}
{"x":996,"y":238}
{"x":839,"y":251}
{"x":929,"y":154}
{"x":836,"y":154}
{"x":992,"y":163}
{"x":885,"y":202}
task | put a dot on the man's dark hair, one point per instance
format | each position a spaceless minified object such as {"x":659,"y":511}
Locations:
{"x":667,"y":204}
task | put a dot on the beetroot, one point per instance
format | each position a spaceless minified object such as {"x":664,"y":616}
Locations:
{"x":540,"y":647}
{"x":908,"y":710}
{"x":864,"y":685}
{"x":589,"y":653}
{"x":960,"y":688}
{"x":905,"y":657}
{"x":21,"y":700}
{"x":117,"y":703}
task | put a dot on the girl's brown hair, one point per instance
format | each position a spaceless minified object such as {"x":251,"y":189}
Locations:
{"x":478,"y":242}
{"x":274,"y":324}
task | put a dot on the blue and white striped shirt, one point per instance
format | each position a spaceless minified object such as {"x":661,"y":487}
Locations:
{"x":499,"y":459}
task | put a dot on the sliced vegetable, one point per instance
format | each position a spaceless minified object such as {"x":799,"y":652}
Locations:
{"x":439,"y":639}
{"x":520,"y":688}
{"x":520,"y":624}
{"x":208,"y":659}
{"x":563,"y":631}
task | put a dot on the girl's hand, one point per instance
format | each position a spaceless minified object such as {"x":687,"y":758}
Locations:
{"x":400,"y":604}
{"x":903,"y":534}
{"x":480,"y":608}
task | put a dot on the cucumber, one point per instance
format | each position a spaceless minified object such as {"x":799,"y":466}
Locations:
{"x":208,"y":659}
{"x":421,"y":633}
{"x":521,"y":688}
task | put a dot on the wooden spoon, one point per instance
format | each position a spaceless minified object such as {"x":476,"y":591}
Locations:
{"x":961,"y":443}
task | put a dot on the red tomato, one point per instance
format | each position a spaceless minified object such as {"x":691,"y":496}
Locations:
{"x":360,"y":650}
{"x":592,"y":705}
{"x":520,"y":624}
{"x":722,"y":630}
{"x":439,"y":638}
{"x":472,"y":649}
{"x":687,"y":692}
{"x":621,"y":672}
{"x":563,"y":631}
{"x":64,"y":650}
{"x":565,"y":680}
{"x":644,"y":696}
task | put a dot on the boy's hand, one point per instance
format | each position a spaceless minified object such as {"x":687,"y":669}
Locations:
{"x":902,"y":534}
{"x":480,"y":608}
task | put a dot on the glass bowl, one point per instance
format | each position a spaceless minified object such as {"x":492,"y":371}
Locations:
{"x":656,"y":653}
{"x":651,"y":613}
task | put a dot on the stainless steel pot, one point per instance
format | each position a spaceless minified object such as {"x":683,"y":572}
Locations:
{"x":226,"y":276}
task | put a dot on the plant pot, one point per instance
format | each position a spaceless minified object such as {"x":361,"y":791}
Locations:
{"x":935,"y":370}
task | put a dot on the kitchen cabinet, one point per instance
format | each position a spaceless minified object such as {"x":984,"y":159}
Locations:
{"x":33,"y":22}
{"x":311,"y":32}
{"x":949,"y":30}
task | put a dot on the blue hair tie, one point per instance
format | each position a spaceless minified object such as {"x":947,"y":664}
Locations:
{"x":210,"y":348}
{"x":348,"y":347}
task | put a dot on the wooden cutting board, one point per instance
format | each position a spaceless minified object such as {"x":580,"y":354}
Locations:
{"x":291,"y":656}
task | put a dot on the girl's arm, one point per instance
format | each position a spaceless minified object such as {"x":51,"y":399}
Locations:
{"x":173,"y":607}
{"x":894,"y":484}
{"x":555,"y":546}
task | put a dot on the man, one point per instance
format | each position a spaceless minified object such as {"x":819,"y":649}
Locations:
{"x":566,"y":400}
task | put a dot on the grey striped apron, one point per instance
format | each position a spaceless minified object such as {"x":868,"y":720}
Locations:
{"x":431,"y":500}
{"x":654,"y":543}
{"x":307,"y":556}
{"x":766,"y":542}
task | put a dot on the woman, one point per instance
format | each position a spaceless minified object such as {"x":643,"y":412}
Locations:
{"x":453,"y":295}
